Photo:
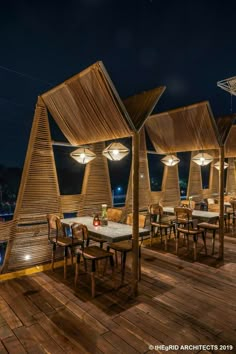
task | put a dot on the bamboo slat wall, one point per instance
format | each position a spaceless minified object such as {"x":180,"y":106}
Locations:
{"x":194,"y":180}
{"x":156,"y":197}
{"x":96,"y":187}
{"x":230,"y":146}
{"x":7,"y":234}
{"x":170,"y":186}
{"x":214,"y":179}
{"x":71,"y":203}
{"x":39,"y":193}
{"x":144,"y":179}
{"x":231,"y":177}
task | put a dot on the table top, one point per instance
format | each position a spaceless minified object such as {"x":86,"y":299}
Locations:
{"x":113,"y":232}
{"x":196,"y":213}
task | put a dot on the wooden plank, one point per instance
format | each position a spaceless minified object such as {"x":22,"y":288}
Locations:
{"x":28,"y":341}
{"x":13,"y":345}
{"x":59,"y":336}
{"x":6,"y":312}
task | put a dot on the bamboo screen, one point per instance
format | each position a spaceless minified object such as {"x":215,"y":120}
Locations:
{"x":185,"y":129}
{"x":214,"y":178}
{"x":230,"y":146}
{"x":170,"y":186}
{"x":38,"y":193}
{"x":71,"y":203}
{"x":7,"y":233}
{"x":140,"y":106}
{"x":231,"y":177}
{"x":87,"y":108}
{"x":194,"y":180}
{"x":96,"y":189}
{"x":144,"y":179}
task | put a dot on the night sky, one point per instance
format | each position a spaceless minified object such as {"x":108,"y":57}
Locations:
{"x":185,"y":45}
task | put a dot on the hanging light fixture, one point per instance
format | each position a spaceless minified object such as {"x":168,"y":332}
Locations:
{"x":202,"y":159}
{"x":115,"y":151}
{"x":170,"y":160}
{"x":217,"y":165}
{"x":83,"y":155}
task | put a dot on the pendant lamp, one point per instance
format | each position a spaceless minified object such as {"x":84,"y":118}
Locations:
{"x":170,"y":160}
{"x":83,"y":155}
{"x":115,"y":151}
{"x":202,"y":159}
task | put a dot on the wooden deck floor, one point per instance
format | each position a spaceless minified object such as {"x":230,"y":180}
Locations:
{"x":179,"y":303}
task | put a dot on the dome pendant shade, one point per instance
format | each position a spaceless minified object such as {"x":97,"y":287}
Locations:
{"x":217,"y":165}
{"x":170,"y":160}
{"x":202,"y":159}
{"x":115,"y":151}
{"x":83,"y":155}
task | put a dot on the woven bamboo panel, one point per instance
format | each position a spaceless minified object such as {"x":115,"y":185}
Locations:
{"x":88,"y":109}
{"x":96,"y":187}
{"x":141,"y":106}
{"x":231,"y":177}
{"x":170,"y":186}
{"x":230,"y":146}
{"x":30,"y":247}
{"x":39,"y":193}
{"x":7,"y":234}
{"x":144,"y":179}
{"x":156,"y":197}
{"x":184,"y":129}
{"x":194,"y":180}
{"x":214,"y":178}
{"x":71,"y":203}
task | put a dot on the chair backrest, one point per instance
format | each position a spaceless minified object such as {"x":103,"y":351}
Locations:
{"x":155,"y":213}
{"x":114,"y":214}
{"x":79,"y":231}
{"x":54,"y":224}
{"x":183,"y":215}
{"x":142,"y":220}
{"x":233,"y":204}
{"x":188,"y":203}
{"x":214,"y":207}
{"x":210,"y":201}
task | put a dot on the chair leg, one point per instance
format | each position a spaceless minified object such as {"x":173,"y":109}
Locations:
{"x":53,"y":255}
{"x":123,"y":262}
{"x":213,"y":242}
{"x":105,"y":267}
{"x":65,"y":261}
{"x":195,"y":247}
{"x":77,"y":268}
{"x":187,"y":236}
{"x":93,"y":277}
{"x":112,"y":269}
{"x":204,"y":240}
{"x":72,"y":256}
{"x":165,"y":239}
{"x":177,"y":243}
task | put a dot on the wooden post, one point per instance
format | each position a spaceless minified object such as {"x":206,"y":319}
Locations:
{"x":135,"y":234}
{"x":221,"y":195}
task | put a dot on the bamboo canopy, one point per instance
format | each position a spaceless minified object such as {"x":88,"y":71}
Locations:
{"x":230,"y":145}
{"x":184,"y":129}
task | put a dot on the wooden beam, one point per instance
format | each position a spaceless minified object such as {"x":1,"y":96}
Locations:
{"x":135,"y":179}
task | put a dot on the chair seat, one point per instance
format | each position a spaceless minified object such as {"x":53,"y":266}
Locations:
{"x":67,"y":241}
{"x":94,"y":252}
{"x":207,"y":225}
{"x":189,"y":231}
{"x":163,"y":225}
{"x":122,"y":246}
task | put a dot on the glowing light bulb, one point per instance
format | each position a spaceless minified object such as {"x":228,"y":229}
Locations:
{"x":115,"y":152}
{"x":82,"y":156}
{"x":27,"y":257}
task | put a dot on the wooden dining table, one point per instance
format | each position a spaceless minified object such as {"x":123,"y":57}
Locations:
{"x":113,"y":232}
{"x":208,"y":216}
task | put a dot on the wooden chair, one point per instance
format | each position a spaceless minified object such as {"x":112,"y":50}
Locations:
{"x":216,"y":209}
{"x":188,"y":230}
{"x":160,"y":222}
{"x":58,"y":238}
{"x":114,"y":214}
{"x":188,"y":203}
{"x":206,"y":226}
{"x":91,"y":253}
{"x":124,"y":247}
{"x":142,"y":220}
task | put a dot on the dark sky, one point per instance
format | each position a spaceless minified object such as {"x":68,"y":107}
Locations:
{"x":186,"y":45}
